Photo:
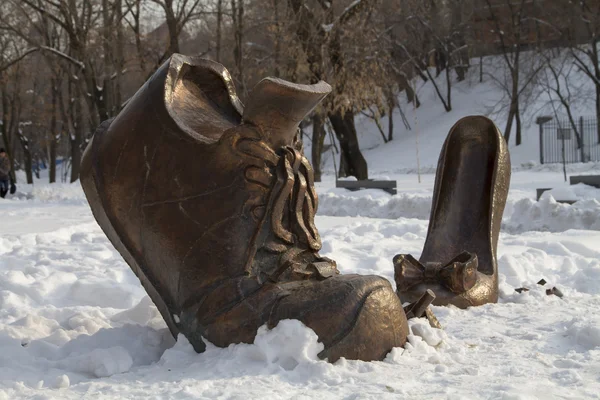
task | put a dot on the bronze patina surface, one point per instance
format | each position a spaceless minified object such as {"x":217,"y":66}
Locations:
{"x":212,"y":205}
{"x":458,"y":262}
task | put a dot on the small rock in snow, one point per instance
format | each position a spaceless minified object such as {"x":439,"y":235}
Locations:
{"x":62,"y":382}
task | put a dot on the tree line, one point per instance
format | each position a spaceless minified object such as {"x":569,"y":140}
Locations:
{"x":67,"y":65}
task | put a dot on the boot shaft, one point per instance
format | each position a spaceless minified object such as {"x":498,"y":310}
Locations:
{"x":189,"y":178}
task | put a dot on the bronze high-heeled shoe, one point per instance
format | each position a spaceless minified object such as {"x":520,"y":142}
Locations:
{"x":459,"y":257}
{"x":212,"y":205}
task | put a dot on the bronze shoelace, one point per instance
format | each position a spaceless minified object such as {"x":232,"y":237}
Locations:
{"x":291,"y":240}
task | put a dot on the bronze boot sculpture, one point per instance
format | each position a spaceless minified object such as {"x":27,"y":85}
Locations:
{"x":458,"y":262}
{"x":212,"y":205}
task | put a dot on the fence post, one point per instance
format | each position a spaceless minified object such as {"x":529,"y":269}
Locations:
{"x":541,"y":143}
{"x":541,"y":121}
{"x":564,"y":161}
{"x":582,"y":133}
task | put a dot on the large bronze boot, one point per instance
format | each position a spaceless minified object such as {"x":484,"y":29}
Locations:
{"x":458,"y":261}
{"x":212,"y":205}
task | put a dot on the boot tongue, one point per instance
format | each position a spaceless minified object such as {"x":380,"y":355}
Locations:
{"x":277,"y":107}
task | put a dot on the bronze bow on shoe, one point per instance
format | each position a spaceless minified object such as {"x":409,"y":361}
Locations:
{"x":458,"y":275}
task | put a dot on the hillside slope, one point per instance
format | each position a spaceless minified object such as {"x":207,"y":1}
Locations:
{"x":430,"y":123}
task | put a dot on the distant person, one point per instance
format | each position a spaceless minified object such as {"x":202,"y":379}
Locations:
{"x":4,"y":172}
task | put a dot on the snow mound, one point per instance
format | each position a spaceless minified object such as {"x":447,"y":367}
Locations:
{"x":585,"y":332}
{"x":42,"y":191}
{"x":289,"y":344}
{"x":549,"y":215}
{"x":100,"y":363}
{"x":374,"y":204}
{"x":534,"y":166}
{"x":289,"y":350}
{"x":521,"y":215}
{"x":56,"y":192}
{"x":432,"y":336}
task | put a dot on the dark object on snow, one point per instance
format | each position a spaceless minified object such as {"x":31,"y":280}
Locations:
{"x":4,"y":173}
{"x":420,"y":309}
{"x":13,"y":187}
{"x":459,"y":258}
{"x":542,"y":282}
{"x":521,"y":290}
{"x":212,"y":205}
{"x":541,"y":191}
{"x":554,"y":291}
{"x":386,"y":186}
{"x":591,"y":180}
{"x":417,"y":309}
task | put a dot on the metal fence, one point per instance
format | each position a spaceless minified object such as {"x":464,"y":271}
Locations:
{"x":577,"y":141}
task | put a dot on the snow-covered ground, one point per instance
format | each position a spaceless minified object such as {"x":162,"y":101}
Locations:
{"x":76,"y":323}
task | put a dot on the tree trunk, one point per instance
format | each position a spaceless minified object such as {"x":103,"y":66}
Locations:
{"x":411,"y":96}
{"x":598,"y":111}
{"x":437,"y":90}
{"x":104,"y":95}
{"x":461,"y":73}
{"x":237,"y":11}
{"x":596,"y":64}
{"x":277,"y":55}
{"x":518,"y":126}
{"x":441,"y":61}
{"x":53,"y":156}
{"x":26,"y":155}
{"x":6,"y":134}
{"x":76,"y":140}
{"x":480,"y":69}
{"x":53,"y":132}
{"x":173,"y":29}
{"x":352,"y":162}
{"x":318,"y":137}
{"x":75,"y":160}
{"x":458,"y":37}
{"x":514,"y":102}
{"x":391,"y":106}
{"x":448,"y":89}
{"x":138,"y":36}
{"x":219,"y":22}
{"x":119,"y":60}
{"x":509,"y":121}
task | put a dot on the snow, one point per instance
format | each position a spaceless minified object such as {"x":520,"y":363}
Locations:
{"x":522,"y":212}
{"x":74,"y":319}
{"x":75,"y":322}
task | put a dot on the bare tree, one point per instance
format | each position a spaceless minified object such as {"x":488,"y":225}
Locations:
{"x":177,"y":14}
{"x":219,"y":27}
{"x":237,"y":15}
{"x":587,"y":57}
{"x":511,"y":24}
{"x":322,"y":34}
{"x":557,"y":81}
